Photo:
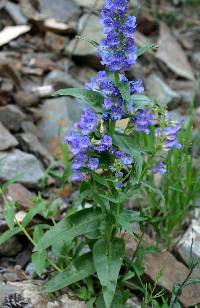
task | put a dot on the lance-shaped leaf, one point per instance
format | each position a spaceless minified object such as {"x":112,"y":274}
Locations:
{"x":127,"y":144}
{"x":143,"y":50}
{"x":124,"y":89}
{"x":126,"y":219}
{"x":92,"y":42}
{"x":82,"y":222}
{"x":8,"y":234}
{"x":92,"y":98}
{"x":142,"y":101}
{"x":107,"y":261}
{"x":78,"y":270}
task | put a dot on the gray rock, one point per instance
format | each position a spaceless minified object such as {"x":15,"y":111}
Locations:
{"x":90,"y":3}
{"x":184,"y":246}
{"x":186,"y":90}
{"x":11,"y":117}
{"x":15,"y":13}
{"x":161,"y":92}
{"x":23,"y":165}
{"x":133,"y":302}
{"x":196,"y":143}
{"x":60,"y":79}
{"x":83,"y":74}
{"x":196,"y":60}
{"x":10,"y":248}
{"x":7,"y":140}
{"x":61,"y":10}
{"x":30,"y":128}
{"x":58,"y":114}
{"x":90,"y":27}
{"x":30,"y":293}
{"x":172,"y":55}
{"x":30,"y":143}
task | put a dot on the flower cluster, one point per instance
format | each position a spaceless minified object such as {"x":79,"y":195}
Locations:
{"x":117,"y":50}
{"x":142,"y":119}
{"x":114,"y":104}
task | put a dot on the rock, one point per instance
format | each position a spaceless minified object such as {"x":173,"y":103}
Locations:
{"x":197,"y":118}
{"x":20,"y":194}
{"x":167,"y":263}
{"x":196,"y":143}
{"x":29,"y":293}
{"x":60,"y":79}
{"x":11,"y":117}
{"x":59,"y":114}
{"x":83,"y":74}
{"x":184,"y":246}
{"x":11,"y":248}
{"x":161,"y":92}
{"x":186,"y":89}
{"x":15,"y":13}
{"x":133,"y":302}
{"x":25,"y":99}
{"x":43,"y":91}
{"x":172,"y":55}
{"x":59,"y":27}
{"x":90,"y":4}
{"x":30,"y":143}
{"x":11,"y":32}
{"x":29,"y":128}
{"x":56,"y":42}
{"x":19,"y":164}
{"x":7,"y":140}
{"x":61,"y":10}
{"x":90,"y":27}
{"x":196,"y":60}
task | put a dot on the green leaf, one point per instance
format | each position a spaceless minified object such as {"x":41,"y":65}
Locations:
{"x":92,"y":98}
{"x":127,"y":144}
{"x":92,"y":42}
{"x":144,"y":49}
{"x":124,"y":88}
{"x":99,"y":179}
{"x":142,"y":101}
{"x":78,"y":270}
{"x":107,"y":261}
{"x":82,"y":222}
{"x":9,"y":214}
{"x":127,"y":218}
{"x":8,"y":234}
{"x":39,"y":208}
{"x":39,"y":261}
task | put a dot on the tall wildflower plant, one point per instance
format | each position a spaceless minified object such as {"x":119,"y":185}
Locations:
{"x":110,"y":161}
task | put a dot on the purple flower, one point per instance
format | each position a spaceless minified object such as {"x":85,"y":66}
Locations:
{"x":136,"y":87}
{"x":78,"y":142}
{"x":77,"y":176}
{"x":108,"y":103}
{"x":93,"y":163}
{"x":142,"y":119}
{"x":116,"y":113}
{"x":88,"y":122}
{"x":119,"y":174}
{"x":104,"y":144}
{"x":124,"y":157}
{"x":159,"y":168}
{"x":170,"y":137}
{"x":117,"y":50}
{"x":120,"y":184}
{"x":79,"y":161}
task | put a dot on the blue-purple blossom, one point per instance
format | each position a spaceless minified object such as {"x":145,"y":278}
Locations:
{"x":142,"y":120}
{"x":88,"y":122}
{"x":93,"y":163}
{"x":124,"y":157}
{"x":170,"y":135}
{"x":104,"y":144}
{"x":117,"y":50}
{"x":119,"y":174}
{"x":159,"y":168}
{"x":120,"y":184}
{"x":79,"y":161}
{"x":77,"y":176}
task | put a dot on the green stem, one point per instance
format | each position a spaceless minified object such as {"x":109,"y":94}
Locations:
{"x":34,"y":244}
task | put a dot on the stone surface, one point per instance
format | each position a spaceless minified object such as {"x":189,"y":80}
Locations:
{"x":186,"y":90}
{"x":61,"y":10}
{"x":90,"y":27}
{"x":30,"y":143}
{"x":133,"y":302}
{"x":30,"y":293}
{"x":161,"y":92}
{"x":7,"y":140}
{"x":11,"y":117}
{"x":59,"y":114}
{"x":11,"y":247}
{"x":173,"y":270}
{"x":30,"y":128}
{"x":20,"y":194}
{"x":23,"y":165}
{"x":172,"y":55}
{"x":196,"y":143}
{"x":184,"y":246}
{"x":15,"y":13}
{"x":60,"y":79}
{"x":90,"y":4}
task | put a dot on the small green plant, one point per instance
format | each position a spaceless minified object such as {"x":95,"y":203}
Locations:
{"x":85,"y":249}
